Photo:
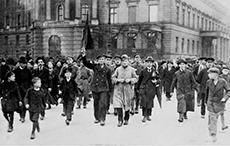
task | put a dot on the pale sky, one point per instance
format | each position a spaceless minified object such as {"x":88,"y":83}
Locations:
{"x":225,"y":3}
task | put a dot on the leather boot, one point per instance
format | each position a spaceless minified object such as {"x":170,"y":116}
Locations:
{"x":32,"y":136}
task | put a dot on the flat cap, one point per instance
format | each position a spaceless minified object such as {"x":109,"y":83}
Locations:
{"x":214,"y":70}
{"x":100,"y":56}
{"x":149,"y":59}
{"x":124,"y":56}
{"x":210,"y":59}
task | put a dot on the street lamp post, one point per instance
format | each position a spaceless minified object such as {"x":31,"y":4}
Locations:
{"x":109,"y":25}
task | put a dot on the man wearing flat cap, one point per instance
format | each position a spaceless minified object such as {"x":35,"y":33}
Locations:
{"x":23,"y":77}
{"x":108,"y":63}
{"x":148,"y":87}
{"x":185,"y":84}
{"x":139,"y":67}
{"x":218,"y":92}
{"x":124,"y":79}
{"x":100,"y":86}
{"x":202,"y":80}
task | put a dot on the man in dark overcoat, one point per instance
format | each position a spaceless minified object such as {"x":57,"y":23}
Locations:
{"x":43,"y":73}
{"x":197,"y":69}
{"x":148,"y":87}
{"x":100,"y":86}
{"x":168,"y":75}
{"x":185,"y":84}
{"x":23,"y":77}
{"x":202,"y":80}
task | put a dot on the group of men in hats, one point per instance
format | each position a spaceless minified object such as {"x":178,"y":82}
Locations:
{"x":130,"y":85}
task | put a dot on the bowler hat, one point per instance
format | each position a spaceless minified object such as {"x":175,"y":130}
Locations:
{"x":210,"y":59}
{"x":149,"y":59}
{"x":3,"y":60}
{"x":40,"y":58}
{"x":225,"y":67}
{"x":163,"y":62}
{"x":202,"y":58}
{"x":108,"y":56}
{"x":181,"y":61}
{"x":22,"y":60}
{"x":214,"y":70}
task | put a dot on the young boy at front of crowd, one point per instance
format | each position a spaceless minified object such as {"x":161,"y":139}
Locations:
{"x":218,"y":92}
{"x":69,"y":92}
{"x":35,"y":102}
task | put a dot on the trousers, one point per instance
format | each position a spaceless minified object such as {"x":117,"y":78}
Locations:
{"x":100,"y":101}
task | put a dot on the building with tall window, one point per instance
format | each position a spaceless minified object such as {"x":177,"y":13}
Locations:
{"x":161,"y":28}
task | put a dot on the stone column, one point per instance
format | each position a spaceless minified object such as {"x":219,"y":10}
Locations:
{"x":94,"y":12}
{"x":48,"y":10}
{"x":78,"y":9}
{"x":221,"y":47}
{"x":67,"y":9}
{"x":36,"y":10}
{"x":228,"y":54}
{"x":224,"y":50}
{"x":94,"y":9}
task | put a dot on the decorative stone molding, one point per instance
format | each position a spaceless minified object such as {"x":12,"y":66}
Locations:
{"x":113,"y":3}
{"x":153,"y":2}
{"x":132,"y":2}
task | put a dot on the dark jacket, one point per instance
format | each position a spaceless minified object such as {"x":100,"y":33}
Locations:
{"x":3,"y":70}
{"x":168,"y":77}
{"x":101,"y":77}
{"x":23,"y":78}
{"x":202,"y":80}
{"x":139,"y":67}
{"x":10,"y":96}
{"x":53,"y":82}
{"x":147,"y":88}
{"x":215,"y":93}
{"x":185,"y":84}
{"x":44,"y":76}
{"x":35,"y":99}
{"x":69,"y":90}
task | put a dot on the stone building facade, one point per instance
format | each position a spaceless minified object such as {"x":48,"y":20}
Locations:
{"x":161,"y":28}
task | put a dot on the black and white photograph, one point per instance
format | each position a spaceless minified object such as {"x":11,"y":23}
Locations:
{"x":114,"y":72}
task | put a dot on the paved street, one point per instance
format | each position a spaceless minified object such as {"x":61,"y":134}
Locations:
{"x":164,"y":129}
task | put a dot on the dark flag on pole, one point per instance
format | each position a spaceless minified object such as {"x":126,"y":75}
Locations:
{"x":87,"y":41}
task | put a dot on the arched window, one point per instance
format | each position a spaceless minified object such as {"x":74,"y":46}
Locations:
{"x":60,"y":13}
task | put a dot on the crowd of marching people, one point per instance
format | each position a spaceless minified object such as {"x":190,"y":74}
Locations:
{"x":123,"y":83}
